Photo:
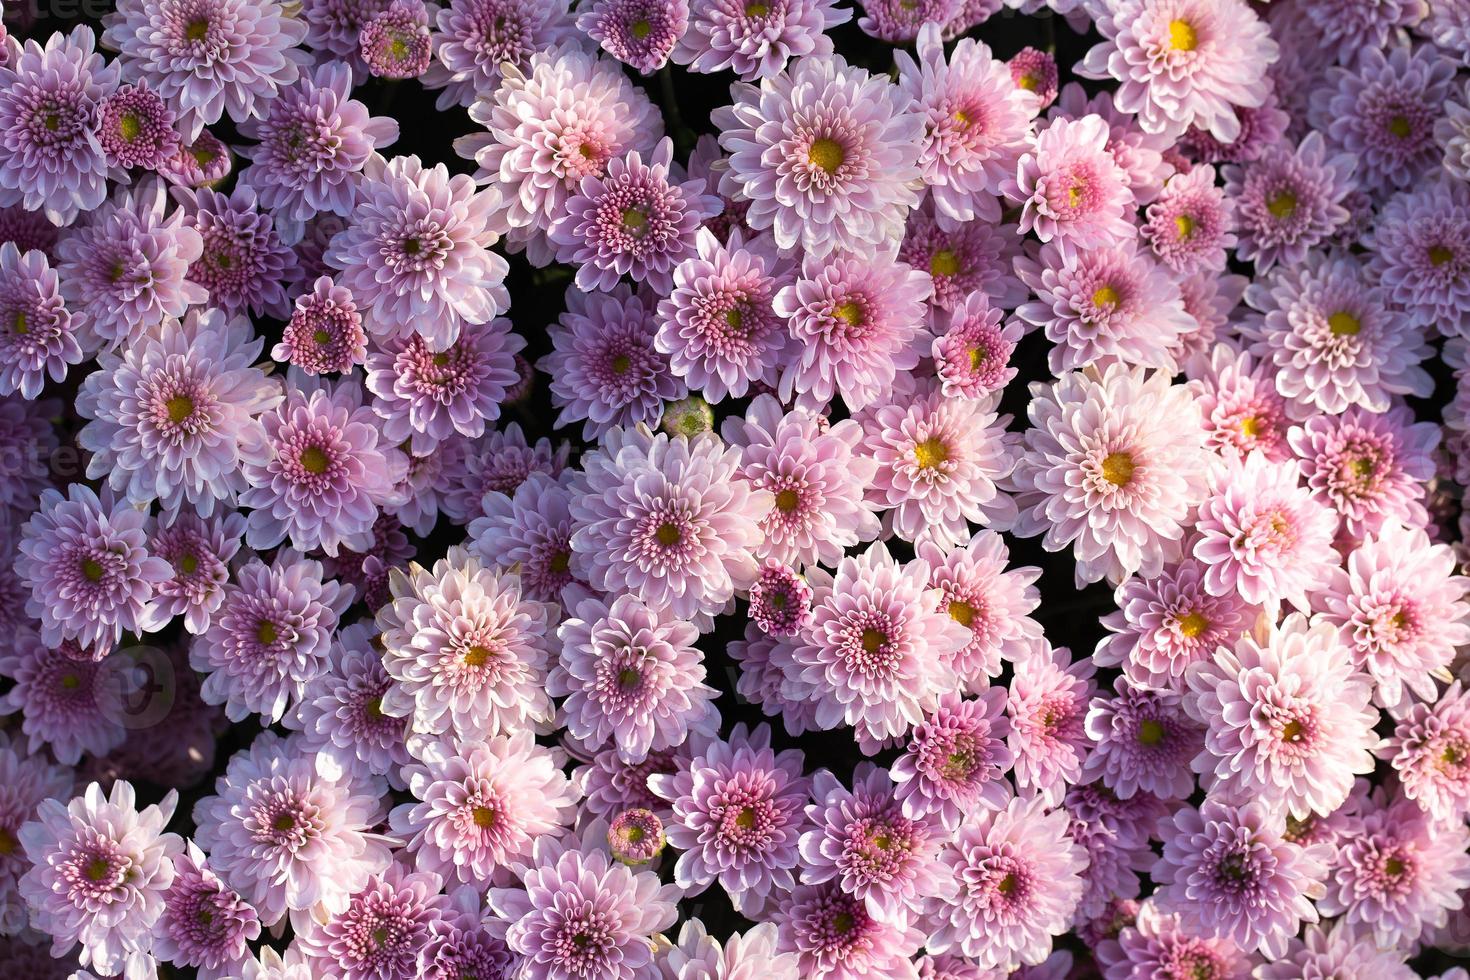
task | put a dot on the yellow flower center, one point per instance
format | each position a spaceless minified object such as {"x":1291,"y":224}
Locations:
{"x":734,"y":319}
{"x":850,"y":313}
{"x":70,"y":682}
{"x":667,"y":535}
{"x":197,"y":30}
{"x":476,"y":656}
{"x":962,"y":613}
{"x":1182,"y":36}
{"x":483,"y":816}
{"x":745,"y":819}
{"x":1150,"y":732}
{"x":1440,"y":254}
{"x":1250,"y":426}
{"x":786,"y":501}
{"x":1399,"y":127}
{"x":97,"y":869}
{"x":1117,"y":468}
{"x":873,"y":640}
{"x":826,"y":155}
{"x":1282,"y":205}
{"x":1291,"y":731}
{"x":314,"y":460}
{"x":930,"y":453}
{"x":1393,"y":867}
{"x":1029,"y":82}
{"x":179,"y":408}
{"x":398,"y":47}
{"x":1184,"y":226}
{"x":92,"y":569}
{"x":1106,"y":297}
{"x":266,"y":633}
{"x":321,"y":338}
{"x":944,"y":263}
{"x":635,"y":220}
{"x":188,"y":564}
{"x":628,"y":678}
{"x":19,"y":326}
{"x":977,"y":358}
{"x":621,"y":363}
{"x":1007,"y":885}
{"x":1344,"y":324}
{"x":129,"y":126}
{"x":1193,"y":625}
{"x":641,"y":29}
{"x":756,"y":10}
{"x":634,"y":835}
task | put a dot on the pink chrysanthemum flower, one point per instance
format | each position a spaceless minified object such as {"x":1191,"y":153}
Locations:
{"x":1190,"y":226}
{"x":1144,"y":743}
{"x":640,"y":33}
{"x":780,"y":600}
{"x":1211,"y":300}
{"x":482,"y":805}
{"x":1184,"y":62}
{"x":1070,"y":188}
{"x":25,"y":780}
{"x":324,"y":334}
{"x":877,"y":654}
{"x":1167,"y":622}
{"x":756,"y":40}
{"x":743,"y":956}
{"x":977,"y":124}
{"x":1047,"y":707}
{"x":467,"y":651}
{"x":1419,"y":249}
{"x":992,"y":603}
{"x":383,"y":933}
{"x":40,"y":338}
{"x":1140,"y":155}
{"x":1016,"y":882}
{"x":609,"y":785}
{"x":136,"y":128}
{"x":737,"y":816}
{"x":976,"y":257}
{"x":1156,"y":946}
{"x":530,"y":530}
{"x":206,"y":162}
{"x":972,"y":352}
{"x":855,"y":323}
{"x":636,"y":837}
{"x":1260,"y":127}
{"x":1263,"y":535}
{"x":474,"y":38}
{"x":633,"y":219}
{"x":395,"y":43}
{"x":1104,"y":305}
{"x":1399,"y":607}
{"x":631,"y":677}
{"x":1332,"y":338}
{"x":244,"y":262}
{"x":1340,"y":951}
{"x":826,"y":154}
{"x":1288,"y":719}
{"x":1034,"y":72}
{"x":1242,"y":410}
{"x":1370,"y":468}
{"x":321,"y":472}
{"x":88,"y":567}
{"x":1430,"y":753}
{"x":1115,"y":835}
{"x":669,"y":520}
{"x":1113,"y":466}
{"x":101,"y":868}
{"x":940,"y":461}
{"x":1288,"y":200}
{"x":764,"y":663}
{"x":205,"y":923}
{"x":1398,"y":874}
{"x":501,"y":461}
{"x":72,"y":698}
{"x":580,"y":914}
{"x":199,"y":551}
{"x":340,"y":715}
{"x":834,"y":937}
{"x":416,"y":252}
{"x":956,"y":759}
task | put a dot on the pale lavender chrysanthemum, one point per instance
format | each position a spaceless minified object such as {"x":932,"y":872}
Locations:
{"x":1113,"y":466}
{"x":1157,"y":947}
{"x":333,"y":28}
{"x":382,"y":934}
{"x":1115,"y":835}
{"x":530,"y":529}
{"x":1190,"y":226}
{"x":956,"y":759}
{"x":1288,"y":200}
{"x":1419,"y":249}
{"x":717,"y":324}
{"x":501,"y":461}
{"x":1342,"y":951}
{"x":324,"y":334}
{"x":609,"y":785}
{"x":667,"y":519}
{"x":877,"y":655}
{"x":1369,"y":467}
{"x":481,"y":806}
{"x":861,"y":839}
{"x":208,"y":58}
{"x":1211,"y":299}
{"x":473,"y":38}
{"x":1350,"y":27}
{"x":1260,"y":128}
{"x":639,"y":33}
{"x":462,"y":943}
{"x":416,"y":251}
{"x":29,"y":230}
{"x":834,"y":937}
{"x":631,"y":678}
{"x":636,"y":837}
{"x":270,"y":637}
{"x":1429,"y":752}
{"x":1047,"y":706}
{"x":993,"y":603}
{"x":1398,"y":874}
{"x":737,"y":816}
{"x":395,"y":43}
{"x":136,"y":128}
{"x":321,"y":472}
{"x":826,"y":154}
{"x":243,"y":263}
{"x":200,"y":551}
{"x":100,"y":871}
{"x":580,"y":914}
{"x":1263,"y":535}
{"x":206,"y":162}
{"x":1034,"y":72}
{"x":205,"y":923}
{"x":750,"y":955}
{"x":1241,"y":408}
{"x":1144,"y":743}
{"x":367,"y":571}
{"x":977,"y":124}
{"x":127,"y":267}
{"x":557,"y":121}
{"x":1103,"y":305}
{"x":72,"y":699}
{"x":756,"y":40}
{"x":1016,"y":882}
{"x":1452,"y":134}
{"x":50,"y":105}
{"x":972,"y":351}
{"x":1183,"y":62}
{"x":780,"y":600}
{"x":764,"y":662}
{"x":976,"y":257}
{"x":855,"y":323}
{"x":901,"y":21}
{"x":26,"y":779}
{"x":87,"y":564}
{"x":1071,"y":189}
{"x":174,"y":414}
{"x":314,"y":141}
{"x":466,"y":649}
{"x":1287,"y":716}
{"x":39,"y":336}
{"x":941,"y":462}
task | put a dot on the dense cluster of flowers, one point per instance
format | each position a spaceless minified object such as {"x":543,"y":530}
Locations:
{"x":957,"y":517}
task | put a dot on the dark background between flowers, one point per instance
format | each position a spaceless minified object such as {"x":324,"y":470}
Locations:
{"x":1069,"y":615}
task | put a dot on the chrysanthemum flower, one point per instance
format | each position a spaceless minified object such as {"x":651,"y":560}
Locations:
{"x":636,"y":837}
{"x":780,"y":600}
{"x":972,"y":351}
{"x":207,"y":57}
{"x":1139,"y":154}
{"x":100,"y":870}
{"x":994,"y":604}
{"x":288,"y":838}
{"x":743,"y":956}
{"x":1430,"y":753}
{"x":30,"y":230}
{"x":1419,"y":249}
{"x":1263,"y":535}
{"x":501,"y":461}
{"x":1242,"y":410}
{"x":834,"y":937}
{"x":39,"y":336}
{"x":136,"y":128}
{"x":474,"y":38}
{"x":756,"y":40}
{"x":631,"y":677}
{"x":1144,"y":743}
{"x":764,"y":664}
{"x":199,"y":552}
{"x":855,"y":323}
{"x":382,"y":934}
{"x":1155,"y":945}
{"x":826,"y":154}
{"x":1070,"y":188}
{"x":206,"y":162}
{"x":530,"y":530}
{"x":1452,"y":134}
{"x":340,"y":714}
{"x":395,"y":43}
{"x":1047,"y":707}
{"x":976,"y":257}
{"x":462,"y":943}
{"x":1190,"y":226}
{"x":609,"y":785}
{"x":1034,"y":73}
{"x":1369,"y":467}
{"x":640,"y":33}
{"x":1341,"y":951}
{"x":205,"y":924}
{"x":1115,"y":837}
{"x":325,"y":332}
{"x":481,"y":807}
{"x":1288,"y":200}
{"x":50,"y":106}
{"x":25,"y":780}
{"x":1211,"y":299}
{"x":243,"y":262}
{"x":70,"y":698}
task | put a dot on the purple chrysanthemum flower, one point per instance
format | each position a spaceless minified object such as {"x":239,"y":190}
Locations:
{"x":1190,"y":226}
{"x":976,"y":257}
{"x":30,"y":230}
{"x":1341,"y":951}
{"x":756,"y":40}
{"x":333,"y":28}
{"x":956,"y":759}
{"x":834,"y":937}
{"x":1035,"y":73}
{"x":530,"y":529}
{"x":396,"y":43}
{"x":25,"y":780}
{"x":136,"y":128}
{"x":780,"y":600}
{"x":321,"y":472}
{"x":382,"y":934}
{"x":416,"y":252}
{"x":101,"y":868}
{"x":324,"y":334}
{"x":1014,"y":881}
{"x":1430,"y":753}
{"x":1288,"y":200}
{"x":636,"y":837}
{"x":901,"y":21}
{"x":206,"y":162}
{"x":1071,"y":189}
{"x":609,"y":785}
{"x":1348,"y":27}
{"x":1260,"y":128}
{"x":50,"y":106}
{"x":764,"y":662}
{"x":1452,"y":134}
{"x":737,"y":816}
{"x":1156,"y":946}
{"x":1047,"y":706}
{"x":1420,"y":251}
{"x":205,"y":923}
{"x":208,"y":57}
{"x":669,"y":520}
{"x":1144,"y":743}
{"x":243,"y":264}
{"x":631,"y":678}
{"x":314,"y":141}
{"x":501,"y":461}
{"x":972,"y":352}
{"x":39,"y":337}
{"x":481,"y":806}
{"x":474,"y":38}
{"x":71,"y":699}
{"x":640,"y":33}
{"x":463,"y":944}
{"x":199,"y":551}
{"x":826,"y":154}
